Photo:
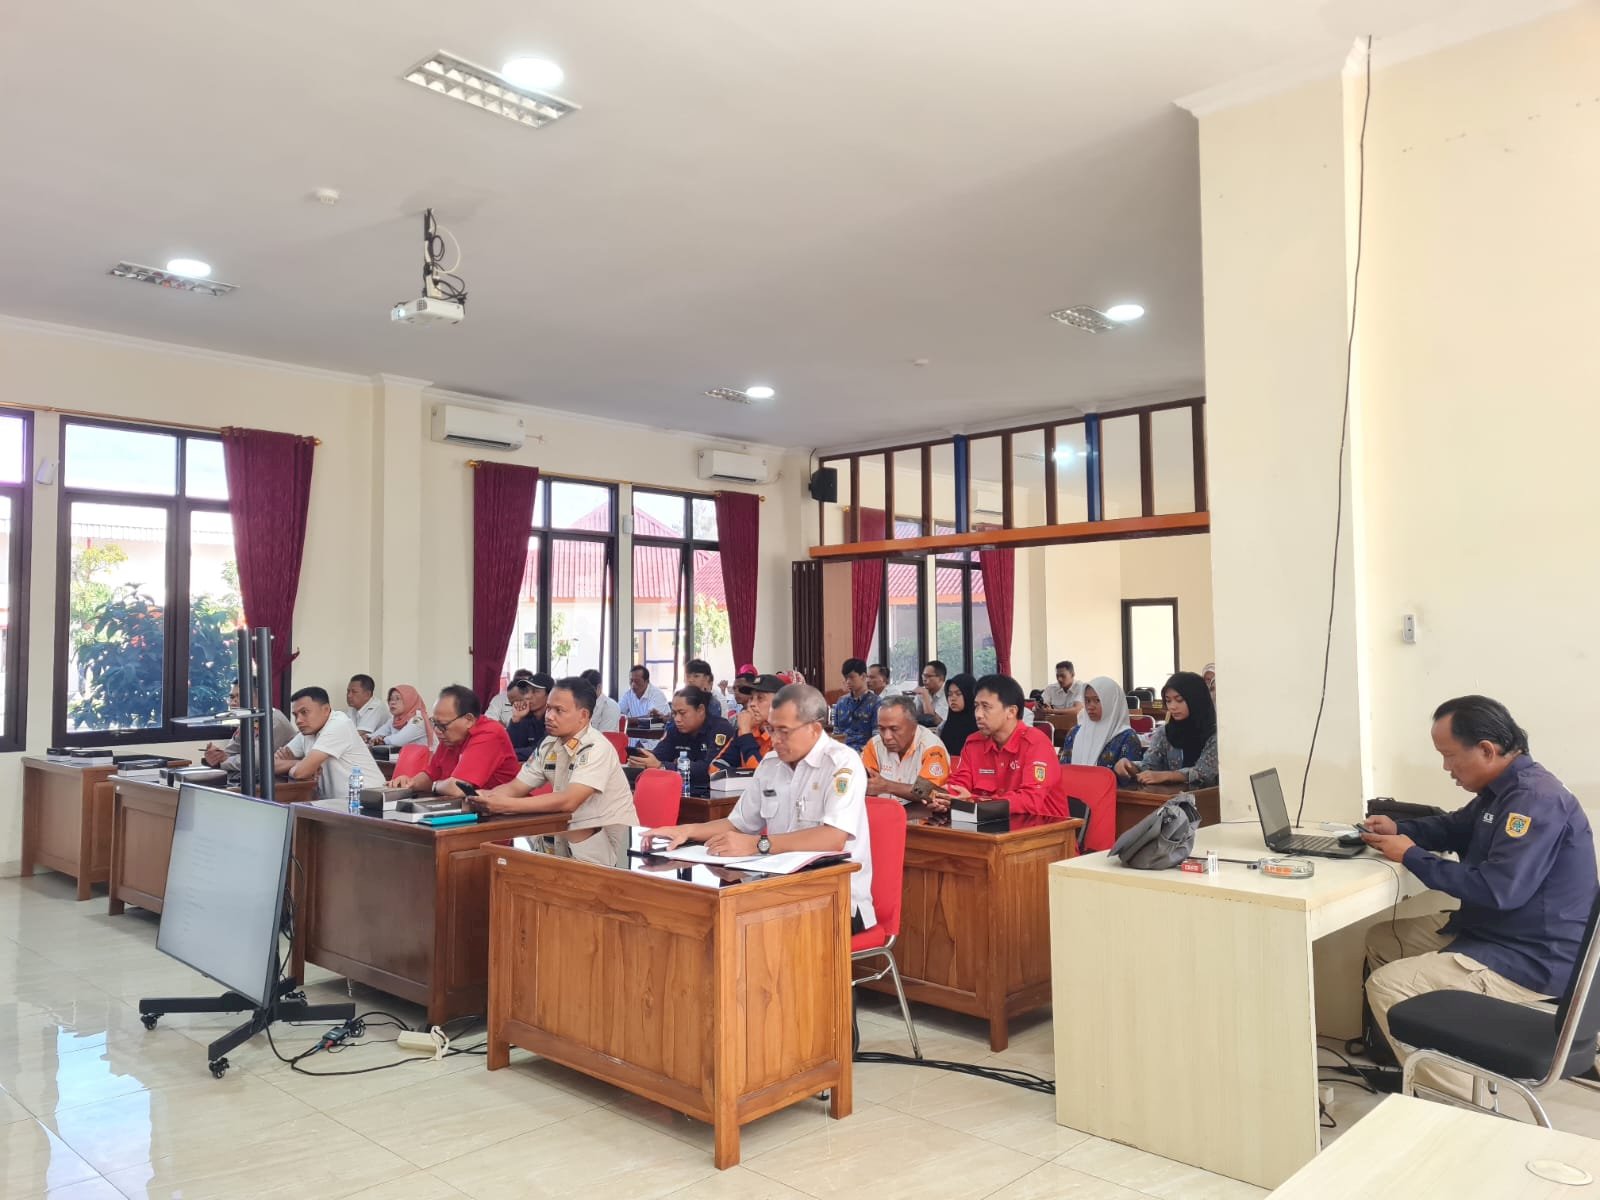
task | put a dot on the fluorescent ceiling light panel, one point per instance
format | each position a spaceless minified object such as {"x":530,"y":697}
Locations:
{"x":168,"y":279}
{"x":484,"y":89}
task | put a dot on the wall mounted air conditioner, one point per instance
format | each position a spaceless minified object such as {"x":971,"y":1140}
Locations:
{"x":476,"y":427}
{"x":733,"y":468}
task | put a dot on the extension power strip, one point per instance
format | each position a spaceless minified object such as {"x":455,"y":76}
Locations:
{"x":428,"y":1044}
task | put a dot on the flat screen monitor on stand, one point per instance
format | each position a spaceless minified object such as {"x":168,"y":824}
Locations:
{"x":224,"y":907}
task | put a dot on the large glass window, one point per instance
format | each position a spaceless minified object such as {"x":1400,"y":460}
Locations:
{"x":903,"y":624}
{"x":149,"y":584}
{"x":14,"y":458}
{"x":679,"y":608}
{"x":567,"y":608}
{"x":962,"y":634}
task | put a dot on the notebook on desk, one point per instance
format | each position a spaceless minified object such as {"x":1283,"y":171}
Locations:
{"x":1275,"y":827}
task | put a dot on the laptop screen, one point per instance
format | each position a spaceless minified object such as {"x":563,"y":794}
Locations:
{"x":1274,"y":813}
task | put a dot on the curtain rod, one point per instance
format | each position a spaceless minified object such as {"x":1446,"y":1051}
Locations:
{"x":474,"y":463}
{"x":78,"y":412}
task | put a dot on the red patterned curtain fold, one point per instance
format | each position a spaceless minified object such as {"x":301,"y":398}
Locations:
{"x":739,"y":539}
{"x":269,"y":496}
{"x":502,"y":515}
{"x":866,"y":586}
{"x":999,"y":588}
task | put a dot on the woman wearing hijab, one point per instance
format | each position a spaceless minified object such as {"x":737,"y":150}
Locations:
{"x":408,"y":719}
{"x":960,"y":691}
{"x":1184,"y":750}
{"x":1102,"y":737}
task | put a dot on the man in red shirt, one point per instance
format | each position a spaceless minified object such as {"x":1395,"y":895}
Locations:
{"x":472,"y":749}
{"x":1007,"y":759}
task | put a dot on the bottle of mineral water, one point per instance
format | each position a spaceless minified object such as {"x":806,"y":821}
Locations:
{"x":683,"y":770}
{"x":355,"y":790}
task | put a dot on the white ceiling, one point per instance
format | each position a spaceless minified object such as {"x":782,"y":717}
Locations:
{"x":805,"y":194}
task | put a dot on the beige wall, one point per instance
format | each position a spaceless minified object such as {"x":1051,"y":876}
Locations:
{"x":385,"y":584}
{"x":1472,"y":422}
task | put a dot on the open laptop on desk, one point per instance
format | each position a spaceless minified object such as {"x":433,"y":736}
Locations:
{"x":1275,"y":827}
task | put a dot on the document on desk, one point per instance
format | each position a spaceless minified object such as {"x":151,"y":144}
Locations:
{"x":767,"y":864}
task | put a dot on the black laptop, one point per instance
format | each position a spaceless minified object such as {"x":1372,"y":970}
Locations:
{"x":1275,"y":827}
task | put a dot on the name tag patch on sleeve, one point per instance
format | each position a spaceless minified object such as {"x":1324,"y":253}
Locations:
{"x":1517,"y":825}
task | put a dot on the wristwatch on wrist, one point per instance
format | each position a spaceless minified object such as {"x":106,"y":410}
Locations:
{"x":763,"y":844}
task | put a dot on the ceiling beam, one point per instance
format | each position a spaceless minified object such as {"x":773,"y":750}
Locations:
{"x":1119,"y":529}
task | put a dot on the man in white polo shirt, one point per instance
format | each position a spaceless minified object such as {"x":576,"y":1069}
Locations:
{"x":366,"y":710}
{"x":808,"y":794}
{"x":327,"y":749}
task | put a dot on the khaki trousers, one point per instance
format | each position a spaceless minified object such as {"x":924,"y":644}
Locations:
{"x":1412,"y":956}
{"x":607,"y":846}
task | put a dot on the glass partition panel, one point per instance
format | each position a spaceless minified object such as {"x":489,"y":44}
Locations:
{"x":1172,"y":458}
{"x":871,"y":499}
{"x":985,"y":468}
{"x":1028,"y":476}
{"x":1071,"y":467}
{"x":942,"y":459}
{"x":907,"y":467}
{"x":1119,"y":467}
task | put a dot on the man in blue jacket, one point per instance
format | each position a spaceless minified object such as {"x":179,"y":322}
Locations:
{"x":1525,"y":877}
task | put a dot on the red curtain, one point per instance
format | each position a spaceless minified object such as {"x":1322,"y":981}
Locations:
{"x":999,"y":588}
{"x":269,"y":494}
{"x":739,"y":540}
{"x":502,"y":515}
{"x":866,"y":587}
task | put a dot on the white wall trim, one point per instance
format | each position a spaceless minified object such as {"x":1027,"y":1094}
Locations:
{"x":1472,"y":19}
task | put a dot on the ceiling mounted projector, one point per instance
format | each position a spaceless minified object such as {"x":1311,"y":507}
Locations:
{"x":425,"y":310}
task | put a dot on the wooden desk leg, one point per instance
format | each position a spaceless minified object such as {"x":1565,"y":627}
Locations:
{"x":30,"y":819}
{"x":300,"y":889}
{"x":999,"y":1027}
{"x":86,"y":842}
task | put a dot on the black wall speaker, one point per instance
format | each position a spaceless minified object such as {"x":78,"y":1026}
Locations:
{"x":825,"y":485}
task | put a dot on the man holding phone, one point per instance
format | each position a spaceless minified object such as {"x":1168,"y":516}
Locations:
{"x":1007,"y":759}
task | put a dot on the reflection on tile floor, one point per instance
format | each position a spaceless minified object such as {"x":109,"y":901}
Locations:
{"x":93,"y":1107}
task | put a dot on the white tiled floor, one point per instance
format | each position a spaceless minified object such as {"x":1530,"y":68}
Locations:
{"x":92,"y":1107}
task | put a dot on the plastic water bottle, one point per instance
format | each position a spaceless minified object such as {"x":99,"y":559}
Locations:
{"x":683,"y":770}
{"x":355,"y":790}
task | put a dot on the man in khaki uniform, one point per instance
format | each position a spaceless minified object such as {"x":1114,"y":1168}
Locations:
{"x":583,"y":769}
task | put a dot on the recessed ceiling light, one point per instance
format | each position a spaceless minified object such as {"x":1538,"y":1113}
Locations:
{"x":1125,"y":312}
{"x":538,"y":73}
{"x":488,"y":90}
{"x":170,"y":279}
{"x":760,"y":392}
{"x":734,"y":395}
{"x":189,"y":268}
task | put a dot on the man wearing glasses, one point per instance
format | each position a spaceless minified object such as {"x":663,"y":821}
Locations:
{"x":472,"y":749}
{"x":808,"y":794}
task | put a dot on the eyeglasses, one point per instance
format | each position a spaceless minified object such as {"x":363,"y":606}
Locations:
{"x":441,"y":726}
{"x":788,"y":731}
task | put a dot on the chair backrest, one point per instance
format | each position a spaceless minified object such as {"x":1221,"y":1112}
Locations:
{"x":412,"y":758}
{"x":886,"y":825}
{"x":619,"y":741}
{"x":656,"y":797}
{"x":1142,"y":722}
{"x":1096,"y":789}
{"x":1580,"y":989}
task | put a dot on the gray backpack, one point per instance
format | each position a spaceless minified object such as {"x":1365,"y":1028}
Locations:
{"x":1163,"y":839}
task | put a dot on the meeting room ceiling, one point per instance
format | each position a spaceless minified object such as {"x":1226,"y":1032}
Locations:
{"x":870,"y":205}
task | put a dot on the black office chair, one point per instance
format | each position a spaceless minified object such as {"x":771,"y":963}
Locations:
{"x":1498,"y":1042}
{"x":1077,"y":808}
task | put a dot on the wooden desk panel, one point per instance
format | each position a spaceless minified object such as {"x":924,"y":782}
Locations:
{"x":403,"y":908}
{"x":974,"y":925}
{"x":724,"y":1003}
{"x":696,"y":810}
{"x":1136,"y":801}
{"x":143,"y":815}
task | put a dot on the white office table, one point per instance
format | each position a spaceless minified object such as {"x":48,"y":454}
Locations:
{"x":1185,"y":1005}
{"x":1406,"y":1148}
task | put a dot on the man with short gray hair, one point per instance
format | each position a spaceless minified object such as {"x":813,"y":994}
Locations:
{"x":808,"y":794}
{"x":904,"y":760}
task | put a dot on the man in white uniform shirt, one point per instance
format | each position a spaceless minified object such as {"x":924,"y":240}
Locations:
{"x":607,"y":717}
{"x":809,"y":794}
{"x":904,"y":760}
{"x":586,"y":775}
{"x":367,"y":712}
{"x":327,"y":749}
{"x":1064,"y":697}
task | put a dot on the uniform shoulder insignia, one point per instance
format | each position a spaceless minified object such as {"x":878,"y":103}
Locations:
{"x":841,"y":781}
{"x":721,"y":740}
{"x":936,"y":769}
{"x":1039,"y":772}
{"x":1517,"y":824}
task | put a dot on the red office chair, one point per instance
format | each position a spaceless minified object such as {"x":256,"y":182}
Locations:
{"x":886,"y":826}
{"x":656,"y":795}
{"x":412,"y":758}
{"x":620,"y":741}
{"x":1092,"y":793}
{"x":1142,"y":722}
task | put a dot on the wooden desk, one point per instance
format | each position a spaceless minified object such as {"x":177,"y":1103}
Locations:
{"x":66,"y":820}
{"x":1136,"y":800}
{"x":724,"y":1003}
{"x":974,"y":930}
{"x":400,"y":907}
{"x":697,"y":810}
{"x":143,"y":815}
{"x":1230,"y":958}
{"x":1406,"y":1148}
